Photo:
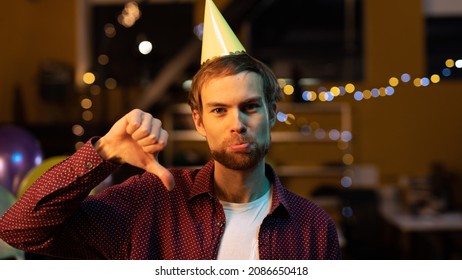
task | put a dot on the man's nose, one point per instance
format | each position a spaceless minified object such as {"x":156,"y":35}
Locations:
{"x":238,"y":122}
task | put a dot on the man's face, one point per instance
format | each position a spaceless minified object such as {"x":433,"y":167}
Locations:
{"x":235,"y":120}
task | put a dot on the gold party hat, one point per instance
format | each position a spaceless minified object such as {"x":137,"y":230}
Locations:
{"x":218,"y":38}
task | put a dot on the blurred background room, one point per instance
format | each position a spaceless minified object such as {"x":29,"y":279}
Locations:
{"x":369,"y":127}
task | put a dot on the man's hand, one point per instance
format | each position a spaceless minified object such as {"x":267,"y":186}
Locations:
{"x":136,"y":139}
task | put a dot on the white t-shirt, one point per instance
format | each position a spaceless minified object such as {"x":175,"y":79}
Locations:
{"x":243,"y":220}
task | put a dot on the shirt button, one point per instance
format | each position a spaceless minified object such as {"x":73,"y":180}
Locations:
{"x":88,"y":165}
{"x":220,"y":224}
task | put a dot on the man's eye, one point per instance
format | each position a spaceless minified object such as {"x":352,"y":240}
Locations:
{"x":251,"y":107}
{"x":218,"y":110}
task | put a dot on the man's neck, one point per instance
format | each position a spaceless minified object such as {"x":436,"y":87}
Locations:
{"x":240,"y":186}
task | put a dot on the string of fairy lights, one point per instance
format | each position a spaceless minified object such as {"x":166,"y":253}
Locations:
{"x":326,"y":95}
{"x":343,"y":138}
{"x":131,"y":13}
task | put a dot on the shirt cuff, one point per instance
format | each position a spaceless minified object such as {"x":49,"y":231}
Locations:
{"x":86,"y":159}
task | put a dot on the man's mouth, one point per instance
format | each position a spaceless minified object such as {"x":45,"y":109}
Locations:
{"x":241,"y":147}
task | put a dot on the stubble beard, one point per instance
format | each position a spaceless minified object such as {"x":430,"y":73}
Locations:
{"x":241,"y":160}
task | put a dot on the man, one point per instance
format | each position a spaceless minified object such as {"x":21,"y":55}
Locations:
{"x":233,"y":208}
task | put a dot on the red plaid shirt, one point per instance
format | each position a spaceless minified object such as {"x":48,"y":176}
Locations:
{"x":140,"y":219}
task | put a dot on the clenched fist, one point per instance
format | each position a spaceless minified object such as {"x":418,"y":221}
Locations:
{"x":136,"y":139}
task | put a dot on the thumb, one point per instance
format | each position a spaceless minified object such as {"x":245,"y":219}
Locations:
{"x":164,"y":175}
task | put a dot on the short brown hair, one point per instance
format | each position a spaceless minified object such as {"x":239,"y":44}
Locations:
{"x":231,"y":65}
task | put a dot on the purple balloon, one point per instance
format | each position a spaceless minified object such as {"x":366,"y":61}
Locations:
{"x":19,"y":153}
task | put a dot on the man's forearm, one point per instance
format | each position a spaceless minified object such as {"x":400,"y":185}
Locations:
{"x":56,"y":195}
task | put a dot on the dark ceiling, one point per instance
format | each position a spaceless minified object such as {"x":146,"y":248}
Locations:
{"x":319,"y":38}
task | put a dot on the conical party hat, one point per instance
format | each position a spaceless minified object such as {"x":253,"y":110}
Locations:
{"x":218,"y":39}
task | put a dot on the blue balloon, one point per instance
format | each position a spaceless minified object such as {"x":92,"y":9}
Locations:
{"x":20,"y":151}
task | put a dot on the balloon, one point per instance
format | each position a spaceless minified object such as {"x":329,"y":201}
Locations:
{"x":19,"y":153}
{"x":36,"y":172}
{"x":7,"y":199}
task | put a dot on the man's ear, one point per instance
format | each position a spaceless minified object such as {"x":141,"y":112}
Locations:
{"x":198,"y":122}
{"x":273,"y":118}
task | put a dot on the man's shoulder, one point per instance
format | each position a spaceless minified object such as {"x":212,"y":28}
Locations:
{"x":184,"y":173}
{"x":304,"y":207}
{"x":298,"y":200}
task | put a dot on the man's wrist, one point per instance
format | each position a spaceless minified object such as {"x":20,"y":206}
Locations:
{"x":98,"y":144}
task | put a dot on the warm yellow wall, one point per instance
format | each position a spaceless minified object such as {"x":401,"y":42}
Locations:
{"x":403,"y":133}
{"x":11,"y":30}
{"x":394,"y":33}
{"x":33,"y":32}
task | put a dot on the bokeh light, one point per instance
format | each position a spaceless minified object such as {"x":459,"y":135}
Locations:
{"x":198,"y":30}
{"x":78,"y":130}
{"x":393,"y":81}
{"x":86,"y":103}
{"x":109,"y":30}
{"x":305,"y":130}
{"x":449,"y":63}
{"x":103,"y":59}
{"x":329,"y":96}
{"x":405,"y":78}
{"x":88,"y":78}
{"x":187,"y":85}
{"x":346,"y":136}
{"x":435,"y":78}
{"x":145,"y":47}
{"x":350,"y":88}
{"x":367,"y":94}
{"x":334,"y":134}
{"x":335,"y":91}
{"x":347,"y":212}
{"x":346,"y":181}
{"x":358,"y":96}
{"x":382,"y":91}
{"x":375,"y":92}
{"x":281,"y":117}
{"x":425,"y":81}
{"x":38,"y":159}
{"x":459,"y":63}
{"x":446,"y":72}
{"x":110,"y":83}
{"x":309,"y":95}
{"x":130,"y":14}
{"x":87,"y":115}
{"x":390,"y":90}
{"x":288,"y":89}
{"x":348,"y":159}
{"x":320,"y":134}
{"x":17,"y":158}
{"x":290,"y":119}
{"x":322,"y":89}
